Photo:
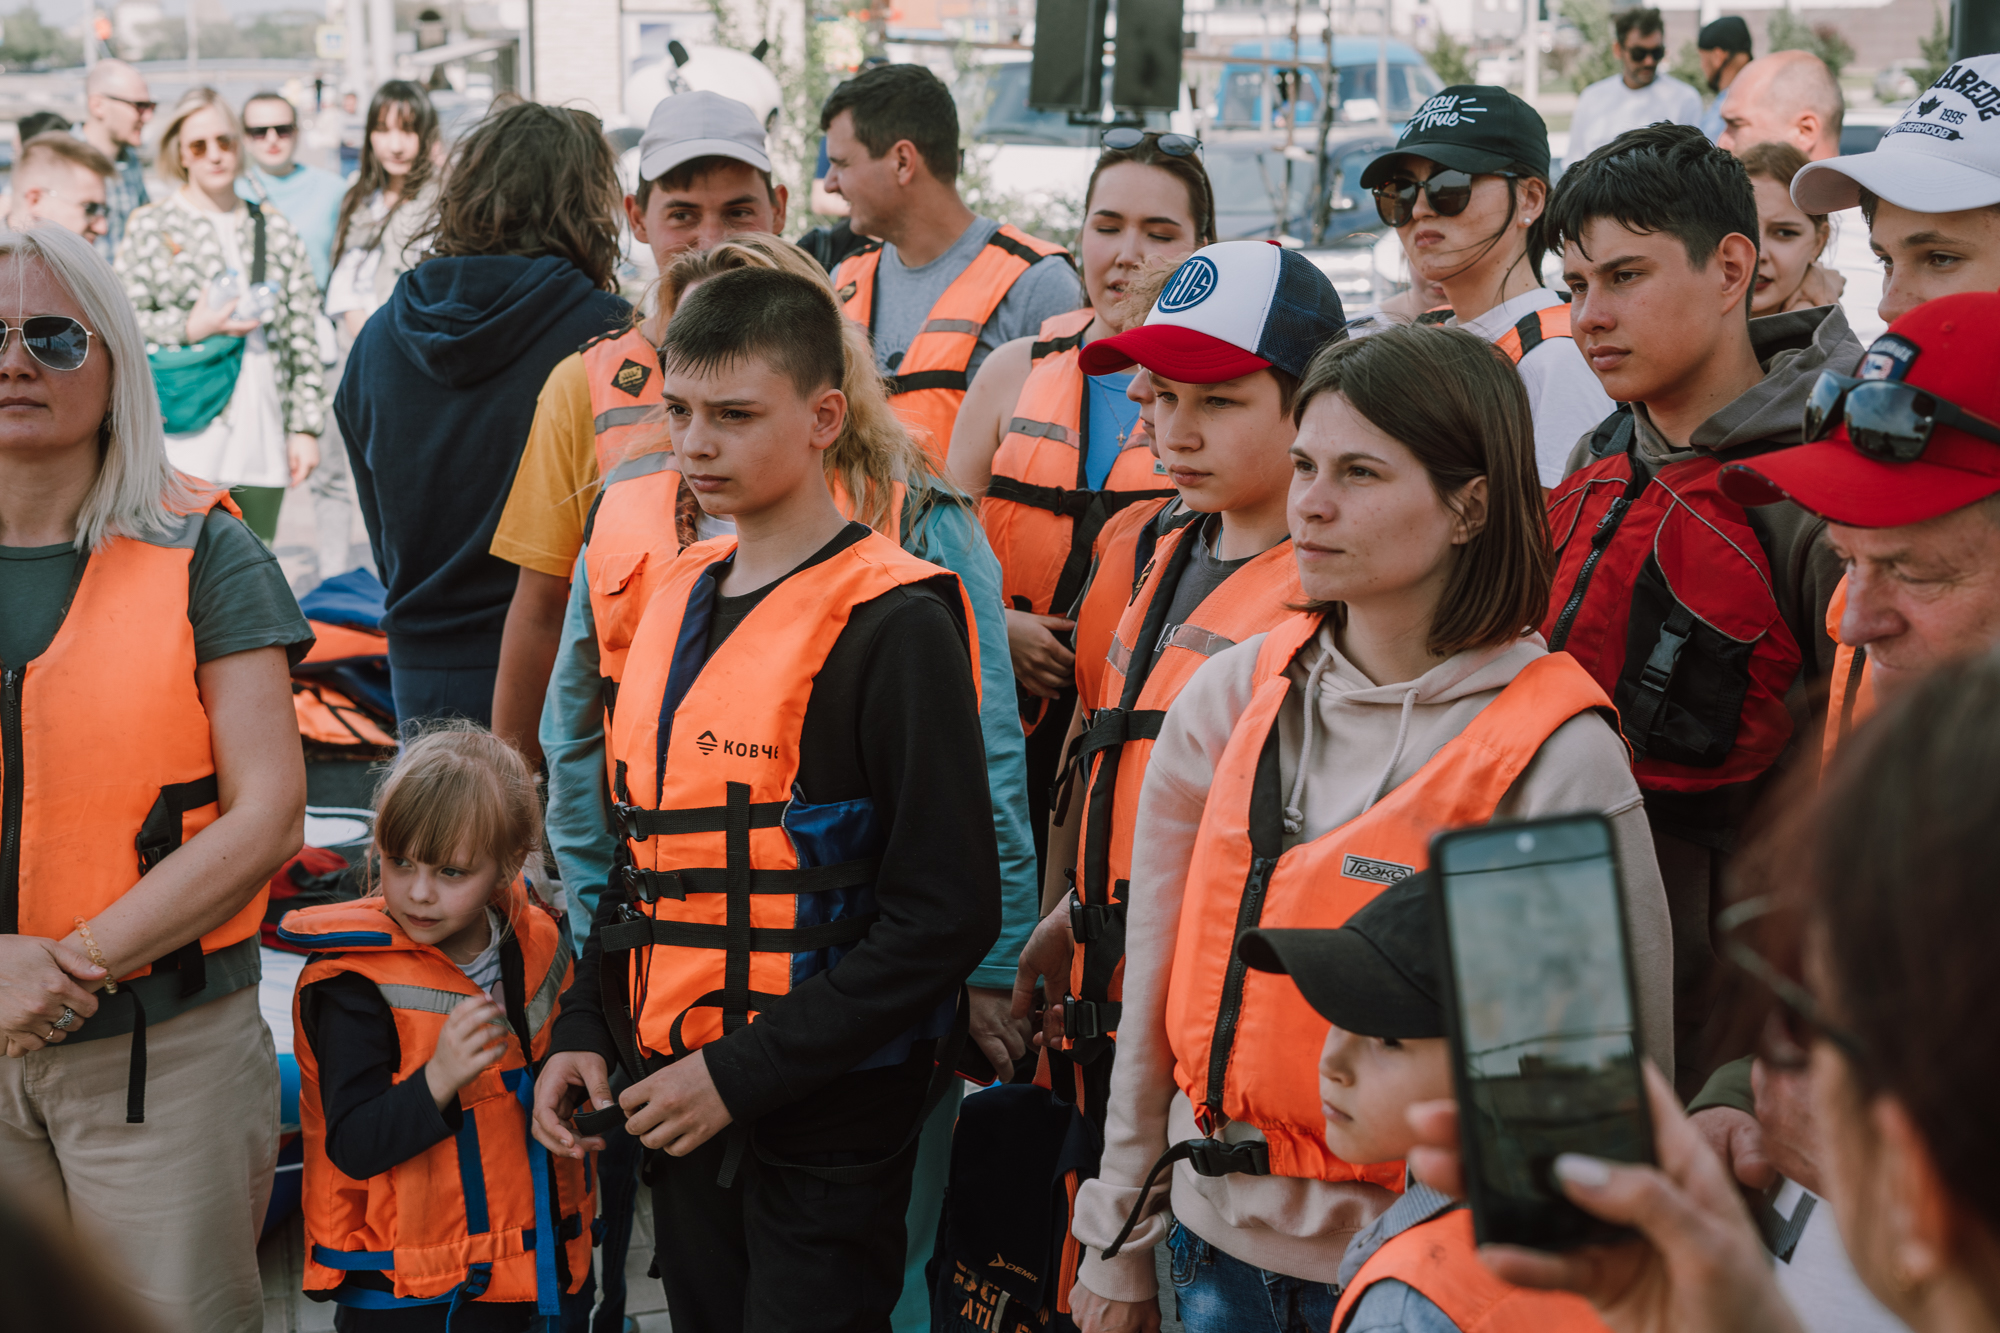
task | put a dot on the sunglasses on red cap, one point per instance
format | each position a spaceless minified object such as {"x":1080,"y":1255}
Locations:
{"x":1886,"y":419}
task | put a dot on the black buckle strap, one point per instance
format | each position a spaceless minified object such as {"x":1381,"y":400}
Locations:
{"x":160,"y":833}
{"x":1117,"y":726}
{"x":1209,"y":1158}
{"x":638,"y":823}
{"x":1090,"y":922}
{"x":650,"y":886}
{"x":1086,"y":1020}
{"x":918,"y":380}
{"x":1026,"y":254}
{"x":637,"y":934}
{"x":1649,"y":700}
{"x":1056,"y":500}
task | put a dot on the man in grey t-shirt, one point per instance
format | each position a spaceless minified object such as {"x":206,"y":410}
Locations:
{"x":892,"y":153}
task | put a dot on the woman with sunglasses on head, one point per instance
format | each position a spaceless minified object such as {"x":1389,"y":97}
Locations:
{"x":386,"y":206}
{"x":220,"y":283}
{"x":1465,"y":189}
{"x":1055,"y":452}
{"x":153,"y":784}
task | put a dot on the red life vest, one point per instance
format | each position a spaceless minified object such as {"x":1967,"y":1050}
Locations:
{"x":1529,"y":332}
{"x":1117,"y":744}
{"x":480,"y":1215}
{"x":623,"y":371}
{"x":1244,"y":1043}
{"x":1440,"y":1260}
{"x":1040,"y":513}
{"x":739,"y":889}
{"x":1665,"y":596}
{"x":1851,"y":696}
{"x":931,"y":379}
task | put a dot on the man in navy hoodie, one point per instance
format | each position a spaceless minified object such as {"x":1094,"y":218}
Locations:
{"x":440,"y":386}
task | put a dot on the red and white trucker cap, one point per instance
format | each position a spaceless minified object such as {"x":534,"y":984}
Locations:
{"x":1231,"y":309}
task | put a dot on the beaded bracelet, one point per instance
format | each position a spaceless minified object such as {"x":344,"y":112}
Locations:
{"x":96,"y":955}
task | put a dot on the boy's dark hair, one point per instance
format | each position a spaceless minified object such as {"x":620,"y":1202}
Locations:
{"x":687,"y":173}
{"x":1663,"y":178}
{"x":891,"y":103}
{"x":1641,"y":21}
{"x":785,"y":320}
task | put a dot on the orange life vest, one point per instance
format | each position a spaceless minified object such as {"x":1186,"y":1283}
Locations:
{"x":1117,"y":743}
{"x":1851,"y":696}
{"x":1040,"y":513}
{"x":1440,"y":1260}
{"x":1244,"y":1042}
{"x":931,"y":379}
{"x":481,"y":1214}
{"x":106,"y":761}
{"x":623,"y":371}
{"x":739,"y":889}
{"x":1124,"y":552}
{"x":1529,"y":332}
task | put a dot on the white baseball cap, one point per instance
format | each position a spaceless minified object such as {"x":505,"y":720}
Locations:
{"x":1231,"y":309}
{"x":700,"y":124}
{"x":1941,"y":157}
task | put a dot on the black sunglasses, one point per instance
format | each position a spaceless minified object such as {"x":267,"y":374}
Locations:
{"x":1173,"y":145}
{"x":1886,"y":419}
{"x":96,"y":208}
{"x":1449,"y":192}
{"x":57,"y":341}
{"x":1797,"y":1020}
{"x":260,"y":131}
{"x":143,"y":108}
{"x":1646,"y":55}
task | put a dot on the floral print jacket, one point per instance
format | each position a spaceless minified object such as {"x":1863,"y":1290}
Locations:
{"x":169,"y":254}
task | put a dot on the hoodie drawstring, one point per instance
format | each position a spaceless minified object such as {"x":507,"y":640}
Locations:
{"x":1295,"y":818}
{"x":1396,"y":754}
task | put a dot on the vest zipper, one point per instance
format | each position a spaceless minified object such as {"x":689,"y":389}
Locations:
{"x":1248,"y":913}
{"x":1607,"y":528}
{"x":10,"y":815}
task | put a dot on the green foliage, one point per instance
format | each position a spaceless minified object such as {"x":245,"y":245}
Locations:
{"x":1450,"y":59}
{"x":1687,"y":67}
{"x":266,"y":37}
{"x":26,"y":42}
{"x":1789,"y":32}
{"x":1594,"y":58}
{"x":1936,"y":50}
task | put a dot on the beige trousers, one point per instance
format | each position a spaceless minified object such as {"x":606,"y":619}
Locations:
{"x":169,"y":1209}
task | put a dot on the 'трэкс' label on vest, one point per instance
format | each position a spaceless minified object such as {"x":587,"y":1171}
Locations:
{"x":631,"y":377}
{"x":1375,"y":872}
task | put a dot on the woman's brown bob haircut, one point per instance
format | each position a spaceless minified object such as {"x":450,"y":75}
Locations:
{"x":1457,"y":403}
{"x":532,"y":180}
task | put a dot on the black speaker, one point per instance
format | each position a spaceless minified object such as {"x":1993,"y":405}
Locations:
{"x":1068,"y":69}
{"x":1975,"y":28}
{"x":1147,"y":74}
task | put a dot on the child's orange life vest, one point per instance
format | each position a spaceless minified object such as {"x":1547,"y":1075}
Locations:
{"x":1440,"y":1260}
{"x":480,"y":1215}
{"x":623,"y":371}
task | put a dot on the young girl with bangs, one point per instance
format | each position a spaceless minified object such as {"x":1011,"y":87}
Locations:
{"x":419,"y":1018}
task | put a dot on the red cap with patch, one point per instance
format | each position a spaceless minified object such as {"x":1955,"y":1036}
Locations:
{"x":1948,"y":347}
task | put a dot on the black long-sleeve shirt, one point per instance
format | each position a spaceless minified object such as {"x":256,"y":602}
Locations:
{"x":894,"y":717}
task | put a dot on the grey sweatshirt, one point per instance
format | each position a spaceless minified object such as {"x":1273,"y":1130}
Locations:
{"x":1366,"y":740}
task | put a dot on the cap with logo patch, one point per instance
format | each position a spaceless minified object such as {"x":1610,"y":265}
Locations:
{"x":1230,"y":309}
{"x":1376,"y":976}
{"x":1471,"y":127}
{"x":1943,"y":156}
{"x":700,"y":124}
{"x":1947,"y":347}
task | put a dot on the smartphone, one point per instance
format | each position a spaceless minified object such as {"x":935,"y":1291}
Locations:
{"x":1543,"y":1026}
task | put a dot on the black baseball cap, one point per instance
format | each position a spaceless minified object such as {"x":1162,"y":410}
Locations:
{"x":1376,"y":976}
{"x":1472,"y":127}
{"x":1728,"y":33}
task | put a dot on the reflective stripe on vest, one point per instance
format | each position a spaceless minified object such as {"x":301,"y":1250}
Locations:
{"x":624,"y":377}
{"x":1851,"y":692}
{"x":481,"y":1214}
{"x":1440,"y":1261}
{"x":740,"y":891}
{"x":1117,"y":744}
{"x":1243,"y":1040}
{"x":1532,"y":330}
{"x":930,"y":381}
{"x":631,"y":534}
{"x":1040,"y":515}
{"x":106,"y":763}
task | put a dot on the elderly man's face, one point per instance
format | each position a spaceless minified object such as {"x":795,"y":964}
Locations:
{"x":1921,"y":595}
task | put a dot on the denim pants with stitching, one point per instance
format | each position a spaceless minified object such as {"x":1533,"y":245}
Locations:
{"x":1215,"y":1293}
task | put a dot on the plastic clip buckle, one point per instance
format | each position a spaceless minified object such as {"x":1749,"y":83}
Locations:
{"x":1088,"y":920}
{"x":1213,"y":1157}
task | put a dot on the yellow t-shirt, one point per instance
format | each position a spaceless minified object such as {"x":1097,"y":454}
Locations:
{"x":542,"y":526}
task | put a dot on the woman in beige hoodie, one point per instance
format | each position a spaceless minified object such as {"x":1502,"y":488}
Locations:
{"x":1417,"y":520}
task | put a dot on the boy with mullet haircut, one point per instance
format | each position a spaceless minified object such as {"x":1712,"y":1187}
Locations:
{"x":1703,"y":620}
{"x":808,"y":861}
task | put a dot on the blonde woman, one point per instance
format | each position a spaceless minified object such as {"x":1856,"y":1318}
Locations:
{"x":892,"y":485}
{"x":265,"y":436}
{"x":153,"y":784}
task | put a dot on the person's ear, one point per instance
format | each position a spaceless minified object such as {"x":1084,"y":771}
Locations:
{"x":636,"y":216}
{"x":829,"y":409}
{"x":908,"y":161}
{"x":780,"y":198}
{"x":1735,"y":265}
{"x":1919,"y":1214}
{"x":1534,"y":198}
{"x":1469,"y":509}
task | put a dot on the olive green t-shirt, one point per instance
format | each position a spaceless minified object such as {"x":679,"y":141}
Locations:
{"x":237,"y":600}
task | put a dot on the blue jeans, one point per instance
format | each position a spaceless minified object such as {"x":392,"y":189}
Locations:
{"x":1215,"y":1293}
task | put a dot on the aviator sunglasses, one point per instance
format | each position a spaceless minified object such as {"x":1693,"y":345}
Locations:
{"x":1886,"y":419}
{"x":1448,"y":192}
{"x":1173,"y":145}
{"x":57,"y":341}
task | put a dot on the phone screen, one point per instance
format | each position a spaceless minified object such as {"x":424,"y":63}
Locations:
{"x":1544,"y":1030}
